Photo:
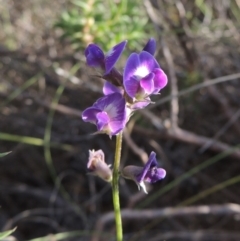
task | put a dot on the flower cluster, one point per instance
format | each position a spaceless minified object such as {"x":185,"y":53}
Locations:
{"x":124,"y":93}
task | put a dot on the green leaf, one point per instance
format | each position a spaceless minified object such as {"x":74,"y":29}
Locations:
{"x":4,"y":154}
{"x":6,"y":233}
{"x":81,"y":4}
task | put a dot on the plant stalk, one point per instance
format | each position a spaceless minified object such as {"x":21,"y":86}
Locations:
{"x":115,"y":187}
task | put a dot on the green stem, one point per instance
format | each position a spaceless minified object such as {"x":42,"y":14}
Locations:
{"x":115,"y":188}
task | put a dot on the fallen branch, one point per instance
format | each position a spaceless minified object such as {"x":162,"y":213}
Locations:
{"x":198,"y":235}
{"x":149,"y":214}
{"x":183,"y":135}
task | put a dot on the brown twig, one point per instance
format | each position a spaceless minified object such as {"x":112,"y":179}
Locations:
{"x":137,"y":150}
{"x":206,"y":83}
{"x":173,"y":83}
{"x":189,"y":137}
{"x":185,"y":136}
{"x":60,"y":108}
{"x":149,"y":214}
{"x":223,"y":102}
{"x":199,"y":235}
{"x":231,"y":121}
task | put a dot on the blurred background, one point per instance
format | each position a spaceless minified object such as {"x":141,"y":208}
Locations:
{"x":193,"y":126}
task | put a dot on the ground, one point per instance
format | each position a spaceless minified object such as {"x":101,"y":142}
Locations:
{"x":45,"y":85}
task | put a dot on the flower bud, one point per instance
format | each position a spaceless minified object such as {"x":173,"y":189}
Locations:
{"x":97,"y":165}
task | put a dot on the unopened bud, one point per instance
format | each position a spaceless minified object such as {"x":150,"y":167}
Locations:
{"x":97,"y":165}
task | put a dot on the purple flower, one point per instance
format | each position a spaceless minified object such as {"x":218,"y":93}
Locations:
{"x":96,"y":58}
{"x":97,"y":166}
{"x":150,"y":47}
{"x":149,"y":173}
{"x":108,"y":114}
{"x":143,"y":76}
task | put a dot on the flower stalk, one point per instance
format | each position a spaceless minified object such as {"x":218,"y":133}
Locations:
{"x":115,"y":187}
{"x":123,"y":95}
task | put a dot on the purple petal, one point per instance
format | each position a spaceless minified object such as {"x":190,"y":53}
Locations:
{"x":116,"y":127}
{"x":147,"y":83}
{"x":132,"y":86}
{"x":154,"y":175}
{"x":106,"y":103}
{"x":109,"y":88}
{"x":119,"y":122}
{"x":160,"y":80}
{"x":89,"y":115}
{"x":118,"y":115}
{"x":131,"y":66}
{"x":152,"y":162}
{"x":113,"y":55}
{"x":150,"y":47}
{"x":94,"y":55}
{"x":116,"y":109}
{"x":103,"y":102}
{"x":148,"y":61}
{"x":102,"y":120}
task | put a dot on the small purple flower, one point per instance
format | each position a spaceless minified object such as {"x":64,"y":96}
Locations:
{"x":97,"y":166}
{"x":149,"y":173}
{"x":108,"y":114}
{"x":150,"y":47}
{"x":143,"y":76}
{"x":96,"y":58}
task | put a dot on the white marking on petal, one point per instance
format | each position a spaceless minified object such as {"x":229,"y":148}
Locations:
{"x":141,"y":71}
{"x":110,"y":52}
{"x":142,"y":184}
{"x":129,"y":113}
{"x":111,"y":110}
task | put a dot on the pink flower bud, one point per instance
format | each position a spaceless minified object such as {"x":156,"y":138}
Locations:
{"x":97,"y":165}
